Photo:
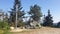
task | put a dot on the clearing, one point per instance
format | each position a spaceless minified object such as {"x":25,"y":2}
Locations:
{"x":43,"y":30}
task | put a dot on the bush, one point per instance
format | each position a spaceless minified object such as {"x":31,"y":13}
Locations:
{"x":4,"y":26}
{"x":21,"y":23}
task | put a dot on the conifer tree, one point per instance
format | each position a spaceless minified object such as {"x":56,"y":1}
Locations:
{"x":35,"y":12}
{"x":20,"y":13}
{"x":48,"y":20}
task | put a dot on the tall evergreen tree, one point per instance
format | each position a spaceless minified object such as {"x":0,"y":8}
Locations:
{"x":48,"y":20}
{"x":20,"y":13}
{"x":35,"y":12}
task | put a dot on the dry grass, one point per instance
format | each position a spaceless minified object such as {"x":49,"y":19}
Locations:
{"x":1,"y":31}
{"x":43,"y":30}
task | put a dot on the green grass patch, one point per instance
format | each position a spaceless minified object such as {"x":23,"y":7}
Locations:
{"x":1,"y":31}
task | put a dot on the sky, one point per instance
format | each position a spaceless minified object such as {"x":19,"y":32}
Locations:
{"x":53,"y":5}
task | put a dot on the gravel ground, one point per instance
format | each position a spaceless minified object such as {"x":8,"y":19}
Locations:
{"x":43,"y":30}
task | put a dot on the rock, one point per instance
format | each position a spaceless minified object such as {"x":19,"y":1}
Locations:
{"x":12,"y":28}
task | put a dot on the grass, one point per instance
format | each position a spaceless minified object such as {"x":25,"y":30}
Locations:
{"x":1,"y":31}
{"x":4,"y":31}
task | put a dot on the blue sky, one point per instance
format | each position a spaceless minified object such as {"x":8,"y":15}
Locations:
{"x":53,"y":5}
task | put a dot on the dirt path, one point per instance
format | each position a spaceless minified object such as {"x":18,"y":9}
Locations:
{"x":43,"y":30}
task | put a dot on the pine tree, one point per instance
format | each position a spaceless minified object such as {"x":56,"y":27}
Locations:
{"x":35,"y":12}
{"x":20,"y":13}
{"x":48,"y":20}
